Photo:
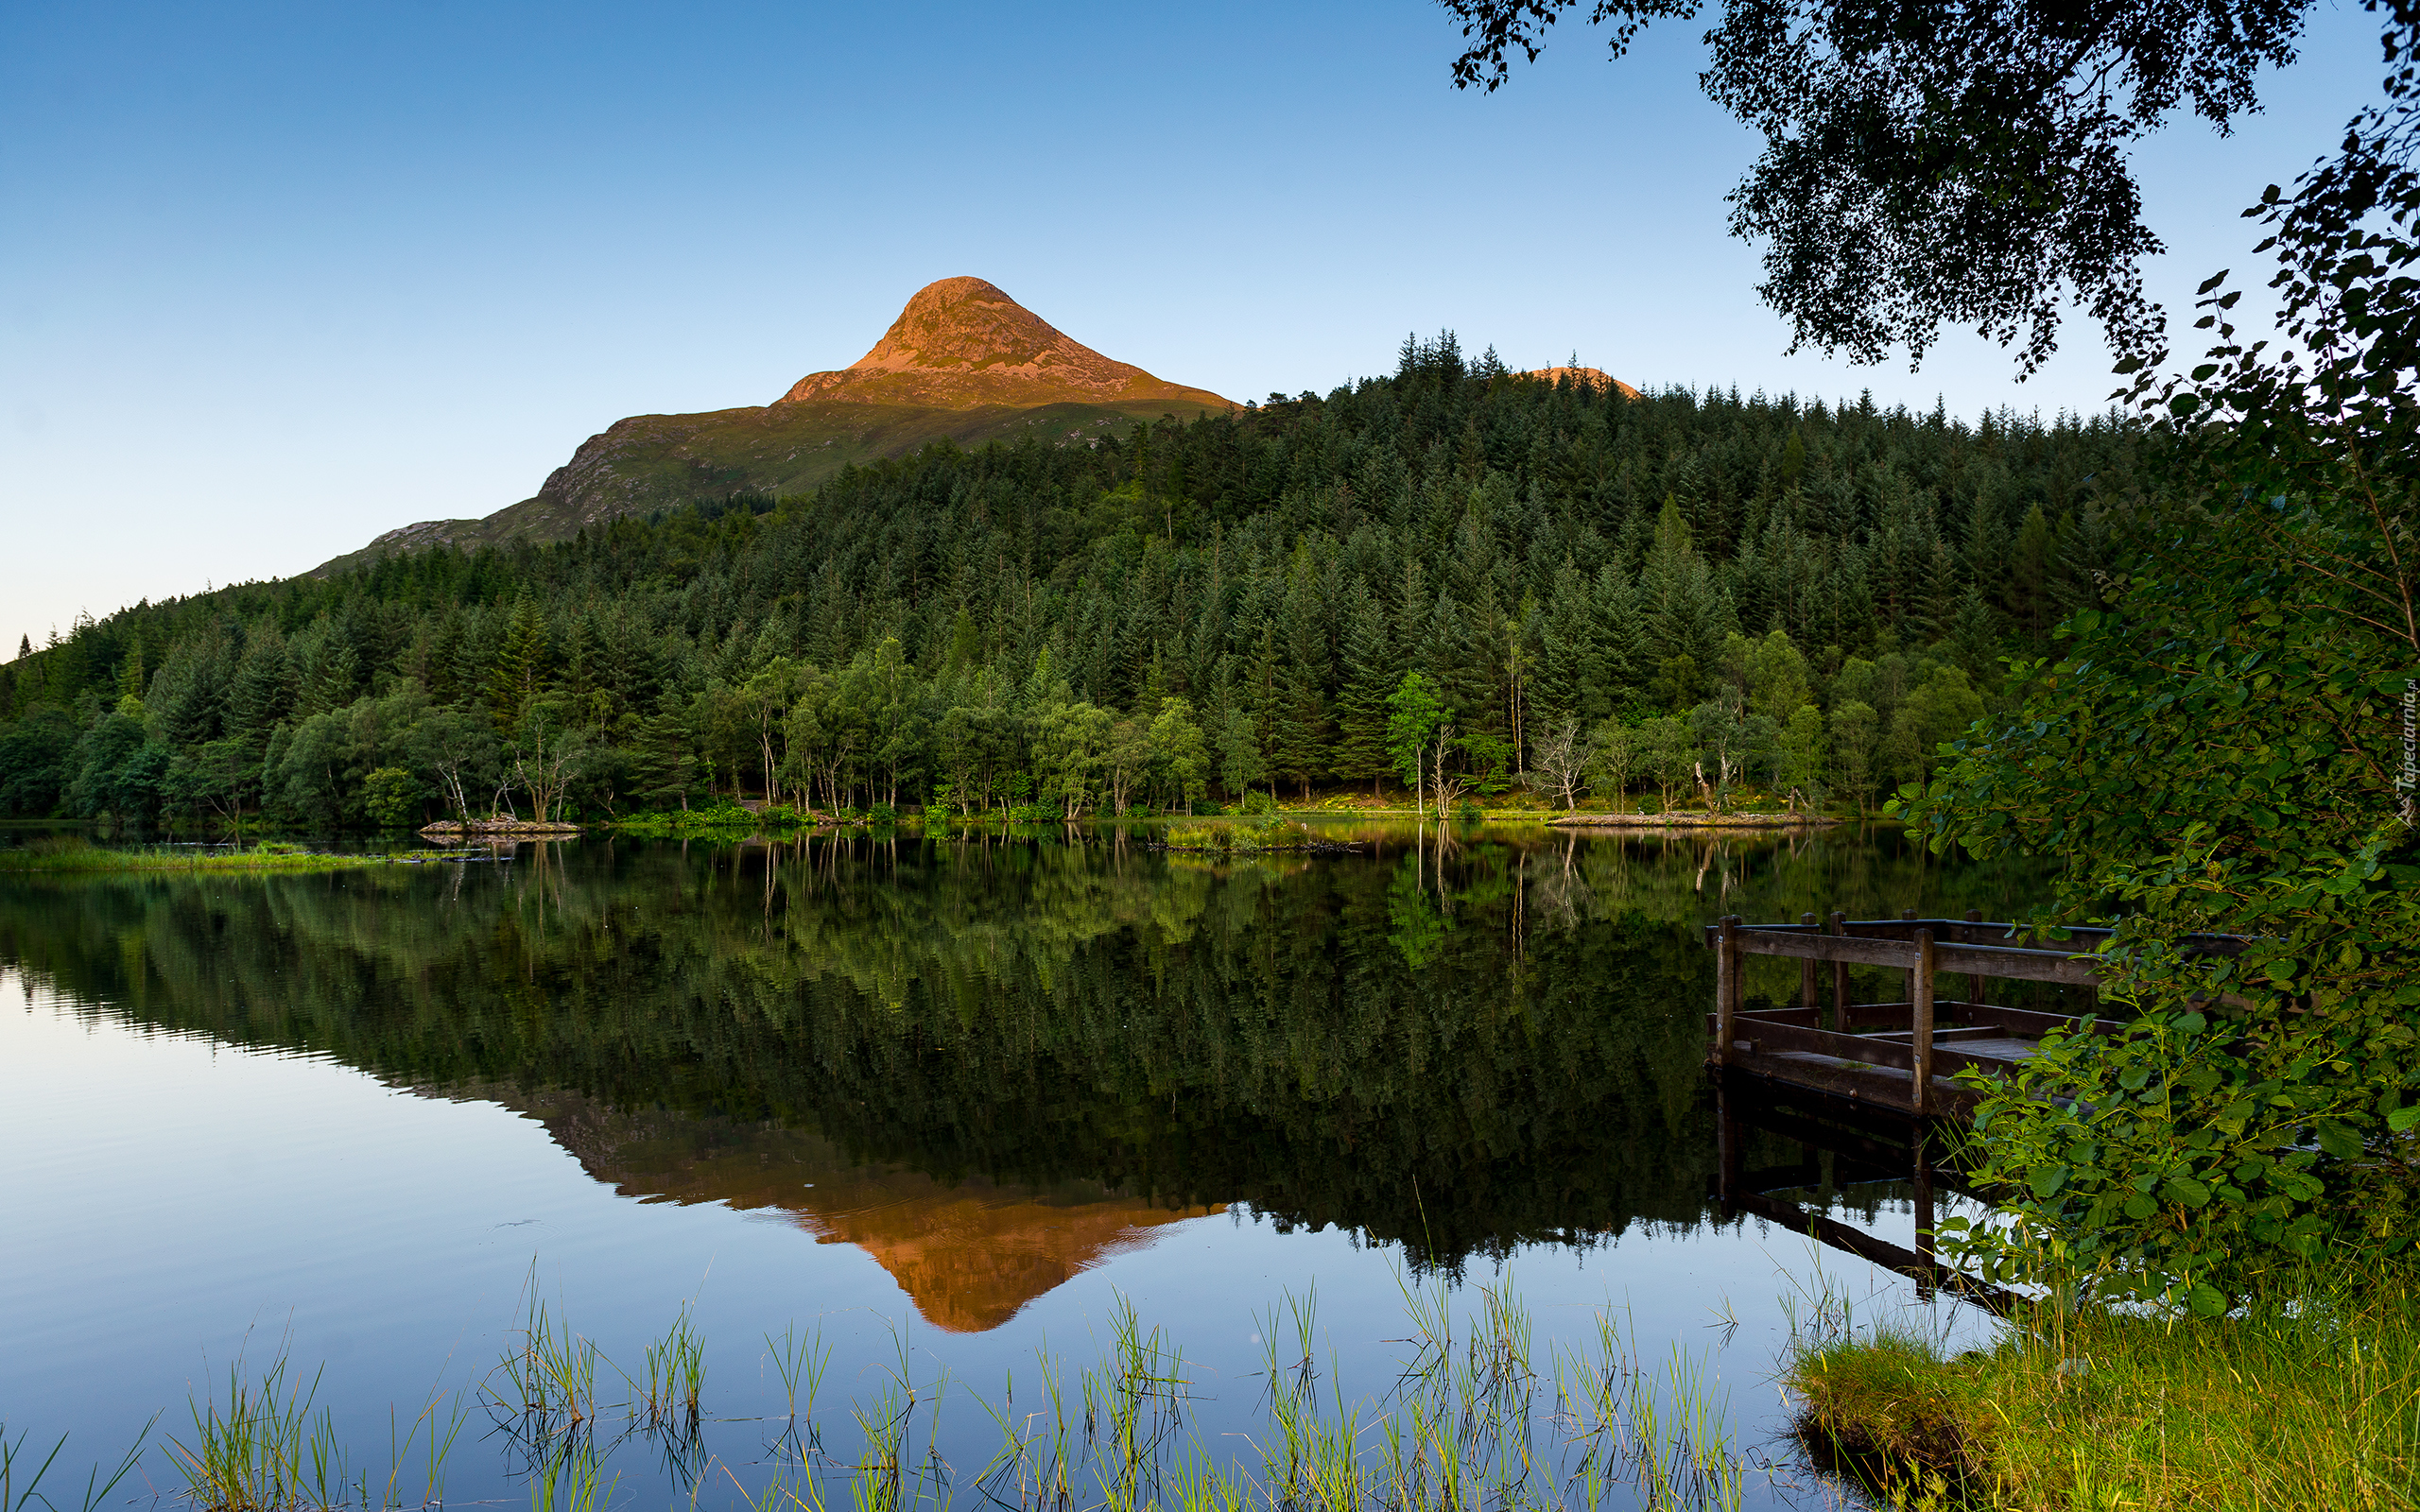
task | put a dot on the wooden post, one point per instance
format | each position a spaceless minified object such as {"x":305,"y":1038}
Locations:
{"x":1922,"y":1173}
{"x":1806,"y":994}
{"x":1974,"y":979}
{"x":1841,"y":1021}
{"x":1726,"y":987}
{"x":1908,"y":915}
{"x":1922,"y":999}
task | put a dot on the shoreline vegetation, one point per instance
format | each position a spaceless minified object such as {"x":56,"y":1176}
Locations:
{"x":1687,"y":820}
{"x":2308,"y":1395}
{"x":269,"y":855}
{"x":747,"y":819}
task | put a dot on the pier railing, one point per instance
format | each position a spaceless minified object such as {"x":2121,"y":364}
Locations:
{"x":1918,"y":1035}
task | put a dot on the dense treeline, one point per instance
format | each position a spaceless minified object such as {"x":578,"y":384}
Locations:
{"x":1687,"y":593}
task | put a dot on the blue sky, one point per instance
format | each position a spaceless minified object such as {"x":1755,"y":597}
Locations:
{"x":277,"y":278}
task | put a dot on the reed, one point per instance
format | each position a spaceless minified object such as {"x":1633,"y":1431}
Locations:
{"x":259,"y":1448}
{"x":435,"y":1436}
{"x":19,"y":1498}
{"x":676,"y":1375}
{"x":798,"y":1362}
{"x":550,"y":1375}
{"x":571,"y":1481}
{"x":1469,"y":1423}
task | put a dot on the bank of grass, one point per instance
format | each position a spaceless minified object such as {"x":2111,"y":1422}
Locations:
{"x":1248,"y":836}
{"x":269,"y":855}
{"x":2309,"y":1397}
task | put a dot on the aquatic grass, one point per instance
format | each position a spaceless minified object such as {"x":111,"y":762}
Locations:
{"x":571,"y":1481}
{"x":676,"y":1372}
{"x":435,"y":1447}
{"x":1141,"y":1391}
{"x":798,"y":1362}
{"x":2308,"y":1396}
{"x":550,"y":1375}
{"x":1467,"y":1425}
{"x":16,"y":1497}
{"x":249,"y":1453}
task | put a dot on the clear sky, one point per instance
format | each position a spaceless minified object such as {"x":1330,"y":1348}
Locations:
{"x":274,"y":279}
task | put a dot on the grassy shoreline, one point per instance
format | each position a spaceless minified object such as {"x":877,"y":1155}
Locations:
{"x":161,"y":858}
{"x":2307,"y":1397}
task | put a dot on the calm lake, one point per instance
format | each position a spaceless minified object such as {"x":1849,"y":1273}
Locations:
{"x":943,"y":1107}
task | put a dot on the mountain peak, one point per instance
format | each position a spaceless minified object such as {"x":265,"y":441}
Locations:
{"x":964,"y":344}
{"x":1594,"y":377}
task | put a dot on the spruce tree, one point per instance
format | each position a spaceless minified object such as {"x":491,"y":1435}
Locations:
{"x":1369,"y":676}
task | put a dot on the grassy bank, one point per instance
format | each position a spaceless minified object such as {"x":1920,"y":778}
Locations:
{"x":268,"y":856}
{"x":2309,"y":1398}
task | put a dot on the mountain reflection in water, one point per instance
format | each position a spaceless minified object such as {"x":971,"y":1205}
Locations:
{"x":1000,"y":1061}
{"x":969,"y":1253}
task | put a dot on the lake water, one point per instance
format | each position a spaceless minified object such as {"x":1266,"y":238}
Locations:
{"x":945,"y":1106}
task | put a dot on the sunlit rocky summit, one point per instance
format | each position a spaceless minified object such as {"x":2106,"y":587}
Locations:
{"x":963,"y":361}
{"x":962,"y":344}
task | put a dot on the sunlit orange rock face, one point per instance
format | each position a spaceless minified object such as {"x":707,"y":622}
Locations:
{"x":1591,"y":376}
{"x":970,"y":1254}
{"x":962,"y":344}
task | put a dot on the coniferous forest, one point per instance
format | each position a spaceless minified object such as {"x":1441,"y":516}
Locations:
{"x":1457,"y":573}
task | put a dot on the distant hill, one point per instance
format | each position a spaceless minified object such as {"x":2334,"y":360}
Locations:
{"x":963,"y":363}
{"x":1594,"y":377}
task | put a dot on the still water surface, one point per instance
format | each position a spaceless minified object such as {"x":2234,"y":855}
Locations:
{"x":946,"y":1101}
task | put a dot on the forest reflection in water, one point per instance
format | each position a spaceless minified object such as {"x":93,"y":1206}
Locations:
{"x":996,"y":1061}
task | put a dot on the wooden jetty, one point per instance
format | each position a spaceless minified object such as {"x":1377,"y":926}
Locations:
{"x":1901,"y":1054}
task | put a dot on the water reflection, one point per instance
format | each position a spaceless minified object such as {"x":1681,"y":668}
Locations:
{"x":995,"y":1062}
{"x":969,"y":1253}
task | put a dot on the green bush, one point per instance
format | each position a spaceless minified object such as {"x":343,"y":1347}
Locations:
{"x":391,"y":796}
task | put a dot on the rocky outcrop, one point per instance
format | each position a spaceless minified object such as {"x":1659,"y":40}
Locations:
{"x":962,"y":344}
{"x":497,"y":828}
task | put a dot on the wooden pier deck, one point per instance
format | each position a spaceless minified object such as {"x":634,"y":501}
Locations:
{"x":1899,"y":1055}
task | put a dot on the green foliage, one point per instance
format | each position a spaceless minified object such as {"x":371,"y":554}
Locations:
{"x":1866,"y":125}
{"x":2225,"y":747}
{"x":391,"y":796}
{"x":1413,"y":715}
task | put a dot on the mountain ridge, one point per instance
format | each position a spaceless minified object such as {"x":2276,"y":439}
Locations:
{"x":962,"y":362}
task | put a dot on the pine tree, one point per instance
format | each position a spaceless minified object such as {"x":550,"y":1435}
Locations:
{"x":519,"y":674}
{"x":1370,"y":675}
